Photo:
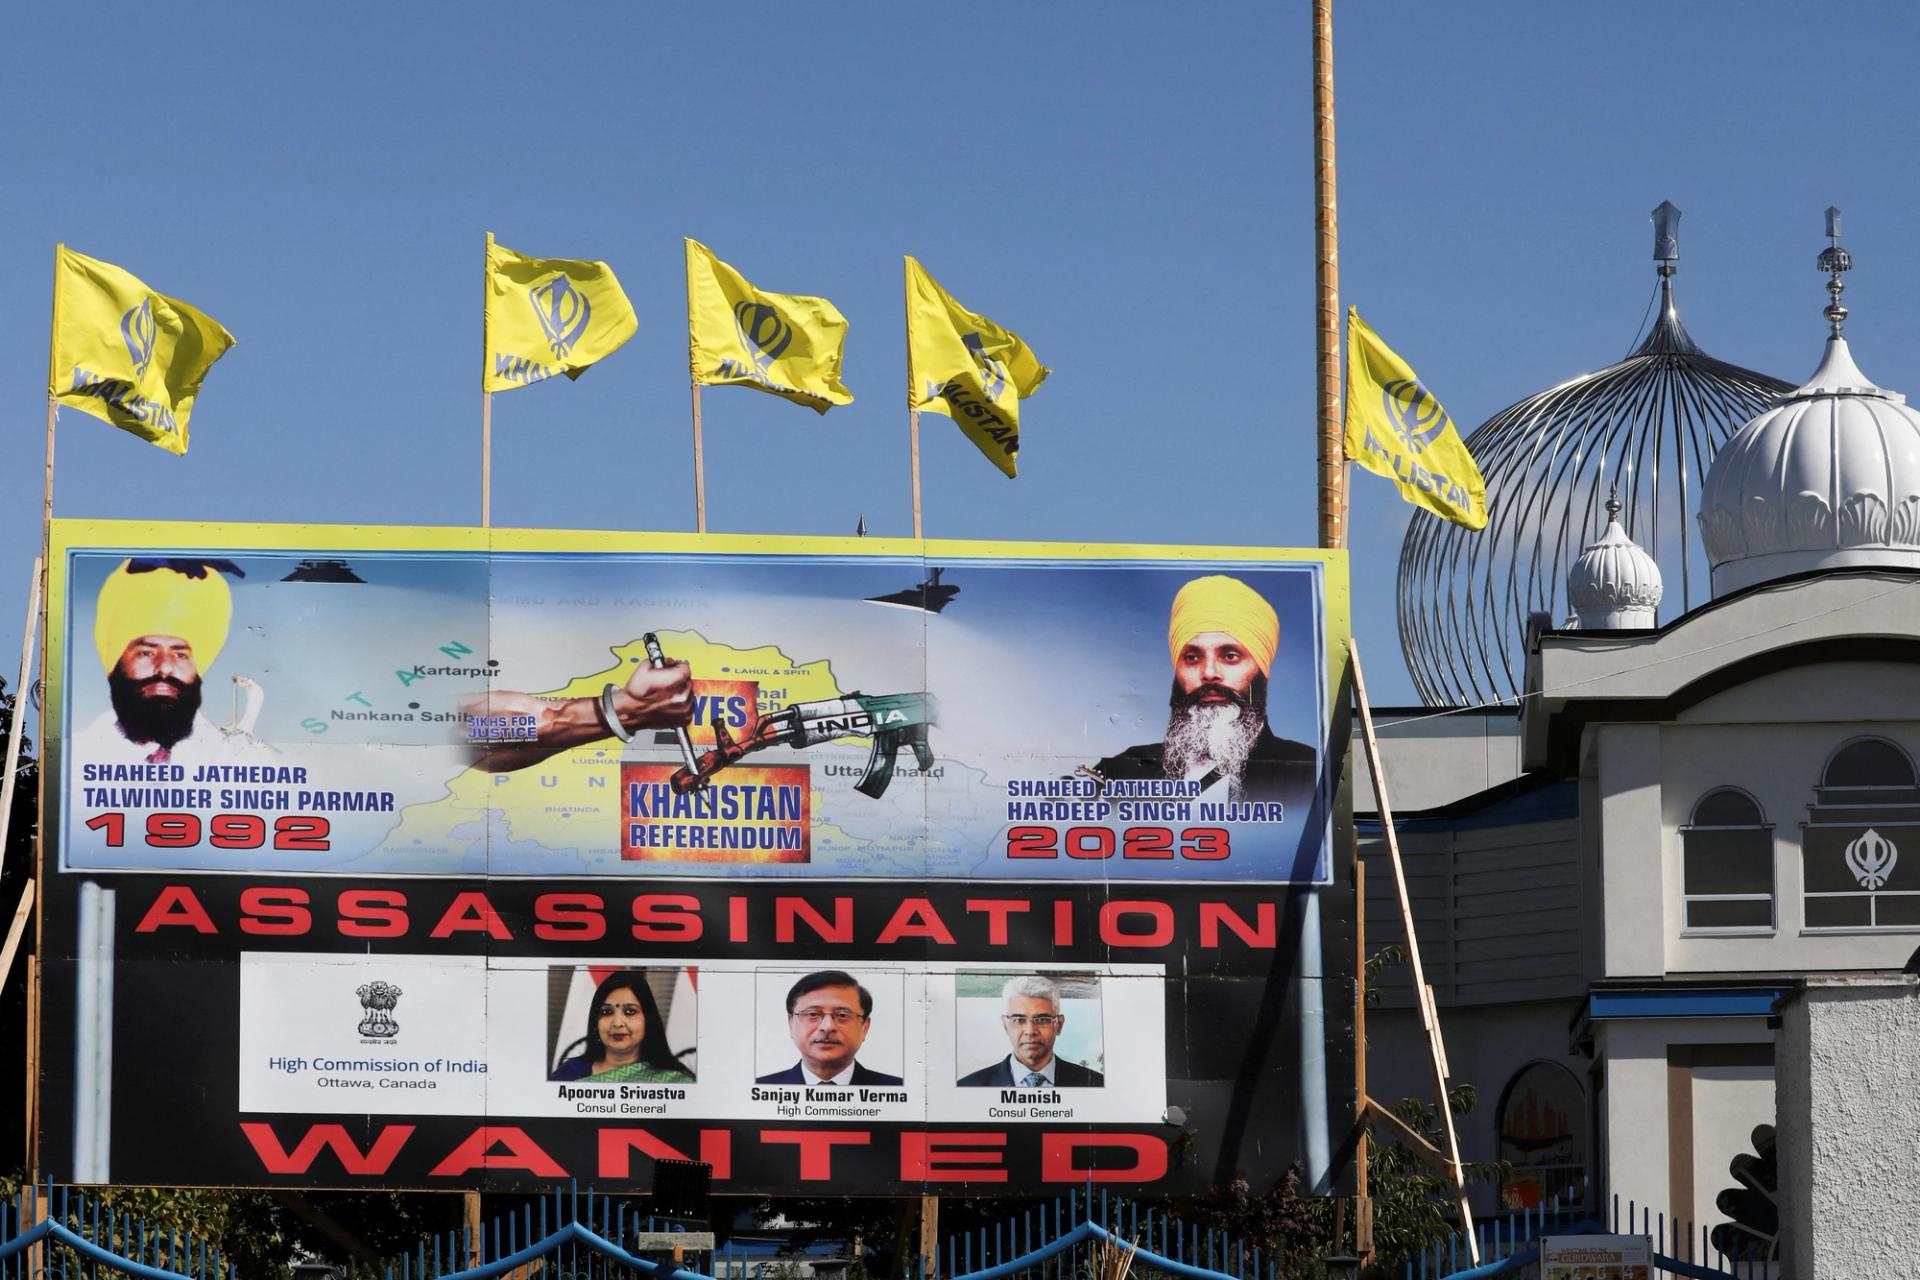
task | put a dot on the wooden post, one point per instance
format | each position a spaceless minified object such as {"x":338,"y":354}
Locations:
{"x":929,"y":1237}
{"x":486,"y":459}
{"x":18,"y":927}
{"x":1429,"y":1013}
{"x":699,"y":468}
{"x":33,"y":1075}
{"x":470,"y":1203}
{"x":1326,"y":222}
{"x":913,"y":435}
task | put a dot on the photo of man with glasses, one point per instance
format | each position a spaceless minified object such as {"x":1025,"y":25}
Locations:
{"x":1033,"y":1021}
{"x":828,"y":1015}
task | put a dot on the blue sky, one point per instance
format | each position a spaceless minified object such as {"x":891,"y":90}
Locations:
{"x":1130,"y":188}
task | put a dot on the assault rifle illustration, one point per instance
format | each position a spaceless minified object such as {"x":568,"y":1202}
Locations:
{"x":892,"y":720}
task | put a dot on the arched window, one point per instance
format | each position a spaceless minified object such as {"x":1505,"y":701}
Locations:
{"x":1543,"y":1133}
{"x":1868,"y":764}
{"x":1726,"y":866}
{"x":1865,"y":815}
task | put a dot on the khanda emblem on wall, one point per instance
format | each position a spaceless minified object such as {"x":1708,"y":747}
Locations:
{"x":1416,"y":416}
{"x":138,"y":330}
{"x":563,"y":311}
{"x":993,"y":374}
{"x":1871,"y":858}
{"x":765,"y":334}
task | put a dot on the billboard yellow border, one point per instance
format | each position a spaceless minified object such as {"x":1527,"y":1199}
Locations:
{"x":155,"y":535}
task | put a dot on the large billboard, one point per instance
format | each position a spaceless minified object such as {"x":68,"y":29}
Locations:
{"x":456,"y":858}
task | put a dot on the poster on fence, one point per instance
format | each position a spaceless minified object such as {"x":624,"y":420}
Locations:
{"x":453,"y":858}
{"x":1596,"y":1257}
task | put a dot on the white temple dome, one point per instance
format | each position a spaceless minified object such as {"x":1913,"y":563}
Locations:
{"x":1614,"y":584}
{"x":1827,"y":479}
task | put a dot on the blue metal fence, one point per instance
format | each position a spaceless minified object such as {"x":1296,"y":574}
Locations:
{"x":62,"y":1233}
{"x":1045,"y":1241}
{"x":65,"y":1233}
{"x":1511,"y":1242}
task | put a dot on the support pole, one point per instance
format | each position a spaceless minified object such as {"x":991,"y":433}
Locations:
{"x":913,"y":434}
{"x":699,"y":468}
{"x":470,"y":1206}
{"x":46,"y":501}
{"x":486,"y":459}
{"x":1429,"y":1013}
{"x":1326,"y":222}
{"x":18,"y":927}
{"x":1362,"y":1197}
{"x":929,"y":1232}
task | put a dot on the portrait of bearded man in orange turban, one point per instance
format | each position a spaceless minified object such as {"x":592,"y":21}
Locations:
{"x":1222,"y":636}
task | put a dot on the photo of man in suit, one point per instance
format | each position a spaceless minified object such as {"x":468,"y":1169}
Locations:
{"x":828,"y":1015}
{"x":1033,"y":1021}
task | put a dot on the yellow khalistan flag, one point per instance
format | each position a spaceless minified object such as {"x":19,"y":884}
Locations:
{"x":1396,"y":428}
{"x":126,"y":354}
{"x":783,"y":343}
{"x":549,"y":315}
{"x":964,"y":365}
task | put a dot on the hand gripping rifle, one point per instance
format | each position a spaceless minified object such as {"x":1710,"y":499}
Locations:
{"x":892,"y":720}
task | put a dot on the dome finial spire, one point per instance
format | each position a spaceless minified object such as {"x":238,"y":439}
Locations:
{"x":1834,"y":260}
{"x":1666,"y":237}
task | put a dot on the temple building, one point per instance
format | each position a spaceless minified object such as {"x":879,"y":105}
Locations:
{"x":1690,"y":811}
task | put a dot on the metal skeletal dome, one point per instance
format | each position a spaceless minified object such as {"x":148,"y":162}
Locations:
{"x":1648,"y":425}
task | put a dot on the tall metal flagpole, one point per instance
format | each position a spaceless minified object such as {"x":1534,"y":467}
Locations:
{"x":1326,"y":221}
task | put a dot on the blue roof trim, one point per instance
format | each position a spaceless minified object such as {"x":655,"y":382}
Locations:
{"x":1509,"y":805}
{"x":1741,"y":1002}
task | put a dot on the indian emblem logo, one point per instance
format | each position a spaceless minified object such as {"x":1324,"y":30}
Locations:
{"x":137,"y":330}
{"x":563,"y":311}
{"x":994,"y":374}
{"x":763,"y":332}
{"x":1871,"y":858}
{"x":1416,"y":416}
{"x":378,"y":999}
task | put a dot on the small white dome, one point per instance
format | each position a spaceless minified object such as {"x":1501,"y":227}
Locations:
{"x":1827,"y":479}
{"x":1614,"y":584}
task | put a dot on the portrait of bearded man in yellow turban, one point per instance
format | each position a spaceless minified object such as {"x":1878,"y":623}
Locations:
{"x":1222,"y":636}
{"x":158,"y":624}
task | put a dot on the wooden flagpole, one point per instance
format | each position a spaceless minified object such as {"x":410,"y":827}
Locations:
{"x":1326,"y":221}
{"x":1333,"y":512}
{"x":486,"y":459}
{"x":486,"y":396}
{"x":699,"y":468}
{"x":46,"y":502}
{"x":913,"y":413}
{"x":1429,"y":1011}
{"x":18,"y":927}
{"x":42,"y":572}
{"x":913,"y":435}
